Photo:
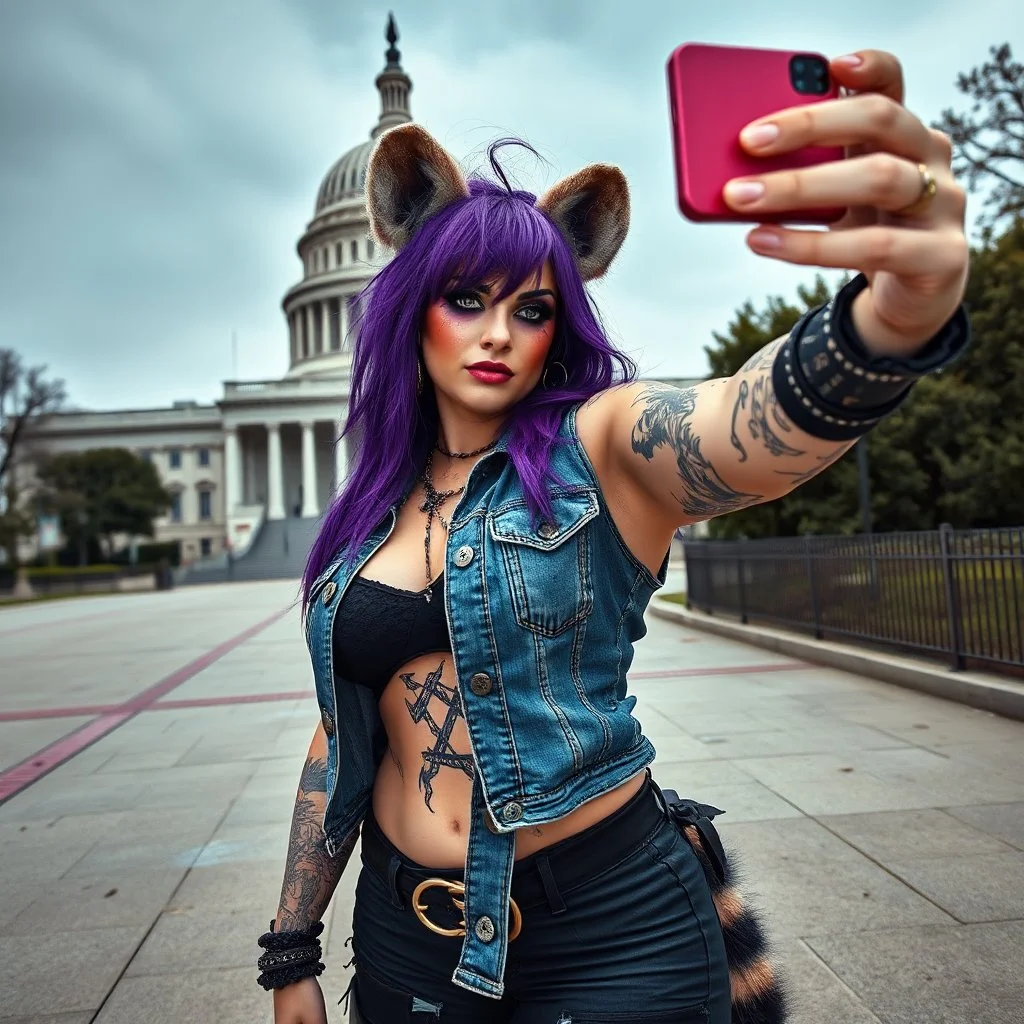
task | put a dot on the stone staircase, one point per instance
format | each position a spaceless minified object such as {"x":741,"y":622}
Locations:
{"x":278,"y":552}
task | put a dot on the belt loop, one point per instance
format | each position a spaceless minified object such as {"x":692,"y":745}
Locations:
{"x":394,"y":865}
{"x":547,"y":879}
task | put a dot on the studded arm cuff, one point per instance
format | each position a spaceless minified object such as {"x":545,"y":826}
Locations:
{"x":831,"y":387}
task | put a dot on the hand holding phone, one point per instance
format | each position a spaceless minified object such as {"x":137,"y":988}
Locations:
{"x":715,"y":91}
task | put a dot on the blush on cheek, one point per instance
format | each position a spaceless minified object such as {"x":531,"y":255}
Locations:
{"x":442,"y":329}
{"x":535,"y":355}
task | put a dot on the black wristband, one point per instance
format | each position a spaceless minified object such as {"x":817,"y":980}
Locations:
{"x":831,"y":387}
{"x":290,"y":956}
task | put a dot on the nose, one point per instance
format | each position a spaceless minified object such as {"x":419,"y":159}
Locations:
{"x":497,"y":331}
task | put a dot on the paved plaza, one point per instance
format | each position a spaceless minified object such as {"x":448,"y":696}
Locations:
{"x":150,"y":747}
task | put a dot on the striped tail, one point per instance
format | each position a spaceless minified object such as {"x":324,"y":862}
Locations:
{"x":758,"y":992}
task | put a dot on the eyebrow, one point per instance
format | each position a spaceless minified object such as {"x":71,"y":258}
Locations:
{"x":485,"y":289}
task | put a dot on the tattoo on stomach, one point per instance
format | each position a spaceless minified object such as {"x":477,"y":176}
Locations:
{"x":442,"y":754}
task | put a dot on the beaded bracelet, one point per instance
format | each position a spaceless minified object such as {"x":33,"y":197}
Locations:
{"x":831,"y":387}
{"x":290,"y":956}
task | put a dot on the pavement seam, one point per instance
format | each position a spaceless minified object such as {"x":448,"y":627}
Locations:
{"x":27,"y":772}
{"x":849,"y":991}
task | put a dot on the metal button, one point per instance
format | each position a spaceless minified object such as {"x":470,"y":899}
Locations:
{"x":464,"y":556}
{"x":329,"y":591}
{"x":480,"y":683}
{"x":547,"y":530}
{"x":484,"y":928}
{"x":325,"y":717}
{"x":512,"y":812}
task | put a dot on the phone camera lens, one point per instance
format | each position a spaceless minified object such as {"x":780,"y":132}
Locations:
{"x":809,"y":75}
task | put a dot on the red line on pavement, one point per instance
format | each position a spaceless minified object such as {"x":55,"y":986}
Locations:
{"x":34,"y":714}
{"x":724,"y":670}
{"x":33,"y":768}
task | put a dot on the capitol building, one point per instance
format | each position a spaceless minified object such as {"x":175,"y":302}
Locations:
{"x":259,"y":466}
{"x":268,"y":450}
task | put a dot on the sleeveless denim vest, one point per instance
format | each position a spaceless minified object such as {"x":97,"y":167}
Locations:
{"x":543,"y":617}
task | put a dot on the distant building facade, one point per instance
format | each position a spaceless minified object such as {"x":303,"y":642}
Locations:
{"x":268,"y":449}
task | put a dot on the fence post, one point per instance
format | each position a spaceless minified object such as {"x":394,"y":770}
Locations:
{"x":956,"y":634}
{"x":809,"y":559}
{"x":742,"y":583}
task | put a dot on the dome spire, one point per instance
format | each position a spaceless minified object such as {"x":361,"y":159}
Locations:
{"x":393,"y":84}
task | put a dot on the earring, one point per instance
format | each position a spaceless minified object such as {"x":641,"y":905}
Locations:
{"x":419,"y":377}
{"x":546,"y":384}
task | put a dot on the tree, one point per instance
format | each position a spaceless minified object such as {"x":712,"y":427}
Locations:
{"x":954,"y":452}
{"x":25,"y":394}
{"x":988,"y":141}
{"x":101,"y":493}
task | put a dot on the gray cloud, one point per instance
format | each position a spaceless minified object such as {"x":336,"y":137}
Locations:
{"x":158,"y":161}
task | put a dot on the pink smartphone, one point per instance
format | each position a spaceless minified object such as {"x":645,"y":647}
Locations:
{"x":715,"y":91}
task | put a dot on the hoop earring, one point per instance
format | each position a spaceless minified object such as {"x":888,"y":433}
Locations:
{"x":546,"y":384}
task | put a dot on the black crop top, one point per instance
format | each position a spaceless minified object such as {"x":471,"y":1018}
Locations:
{"x":378,"y":628}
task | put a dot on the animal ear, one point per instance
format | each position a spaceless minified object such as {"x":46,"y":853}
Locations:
{"x":410,"y":177}
{"x":591,"y":209}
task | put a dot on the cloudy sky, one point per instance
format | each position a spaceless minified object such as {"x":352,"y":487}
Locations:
{"x":159,"y":159}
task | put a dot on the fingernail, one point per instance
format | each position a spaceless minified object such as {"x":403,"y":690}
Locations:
{"x":759,"y":135}
{"x":762,"y":238}
{"x":851,"y":60}
{"x":743,"y":191}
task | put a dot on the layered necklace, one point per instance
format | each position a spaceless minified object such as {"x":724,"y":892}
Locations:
{"x":434,"y":500}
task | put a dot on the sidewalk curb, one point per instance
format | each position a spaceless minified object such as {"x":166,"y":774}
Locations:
{"x":976,"y":689}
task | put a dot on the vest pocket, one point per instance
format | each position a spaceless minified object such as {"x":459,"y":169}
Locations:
{"x":547,"y":563}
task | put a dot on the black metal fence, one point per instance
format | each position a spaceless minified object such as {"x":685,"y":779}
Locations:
{"x":952,"y":594}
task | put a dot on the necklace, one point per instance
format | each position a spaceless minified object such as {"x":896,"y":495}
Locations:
{"x":465,"y":455}
{"x":433,"y":502}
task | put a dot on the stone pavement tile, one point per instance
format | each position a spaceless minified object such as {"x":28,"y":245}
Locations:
{"x":36,"y":862}
{"x":765,"y":844}
{"x":231,"y":886}
{"x":203,"y":996}
{"x":236,"y":843}
{"x":69,"y":794}
{"x":1003,"y":758}
{"x":942,"y":975}
{"x":1004,"y":821}
{"x":932,"y":722}
{"x":807,"y":894}
{"x":896,"y":835}
{"x":749,"y":801}
{"x":15,"y":895}
{"x":89,"y":964}
{"x":983,"y":888}
{"x":51,"y":1018}
{"x":701,"y":773}
{"x":779,"y":742}
{"x":816,"y":994}
{"x":117,"y":899}
{"x":184,"y":938}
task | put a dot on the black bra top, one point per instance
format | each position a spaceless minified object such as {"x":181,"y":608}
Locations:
{"x":378,"y":628}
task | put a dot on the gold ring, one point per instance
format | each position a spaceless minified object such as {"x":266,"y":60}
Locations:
{"x":929,"y":186}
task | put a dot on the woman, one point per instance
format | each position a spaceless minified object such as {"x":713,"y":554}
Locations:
{"x":476,"y":590}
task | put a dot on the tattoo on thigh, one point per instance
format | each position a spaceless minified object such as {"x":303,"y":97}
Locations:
{"x":442,"y":754}
{"x":666,"y":421}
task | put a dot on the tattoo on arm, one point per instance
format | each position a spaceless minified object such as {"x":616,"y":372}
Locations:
{"x":666,"y":421}
{"x":821,"y":463}
{"x":311,"y":874}
{"x":741,"y":403}
{"x":762,"y":402}
{"x":442,"y":754}
{"x":763,"y":358}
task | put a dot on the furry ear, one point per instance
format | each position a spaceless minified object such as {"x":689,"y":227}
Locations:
{"x":591,"y":209}
{"x":410,"y":177}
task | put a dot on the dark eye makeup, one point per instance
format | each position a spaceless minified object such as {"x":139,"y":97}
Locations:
{"x":469,"y":301}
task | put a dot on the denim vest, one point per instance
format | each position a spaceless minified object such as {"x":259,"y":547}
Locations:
{"x":543,"y":618}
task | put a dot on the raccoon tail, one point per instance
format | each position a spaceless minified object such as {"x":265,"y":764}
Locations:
{"x":758,"y":990}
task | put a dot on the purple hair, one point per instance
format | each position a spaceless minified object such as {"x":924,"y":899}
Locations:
{"x":494,"y":233}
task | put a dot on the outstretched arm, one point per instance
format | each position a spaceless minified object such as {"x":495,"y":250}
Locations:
{"x":727,"y":444}
{"x":311,"y":875}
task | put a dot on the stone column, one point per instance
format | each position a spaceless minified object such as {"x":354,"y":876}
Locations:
{"x":325,"y":326}
{"x":343,"y":321}
{"x":340,"y":455}
{"x":275,"y":473}
{"x":232,"y":471}
{"x":310,"y":508}
{"x":307,"y":313}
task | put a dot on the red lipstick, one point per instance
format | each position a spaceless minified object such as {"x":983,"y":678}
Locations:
{"x":488,"y":372}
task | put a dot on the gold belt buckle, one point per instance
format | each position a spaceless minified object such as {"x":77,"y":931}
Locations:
{"x":455,"y":891}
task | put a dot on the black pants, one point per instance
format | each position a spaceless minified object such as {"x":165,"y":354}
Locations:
{"x":618,"y":925}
